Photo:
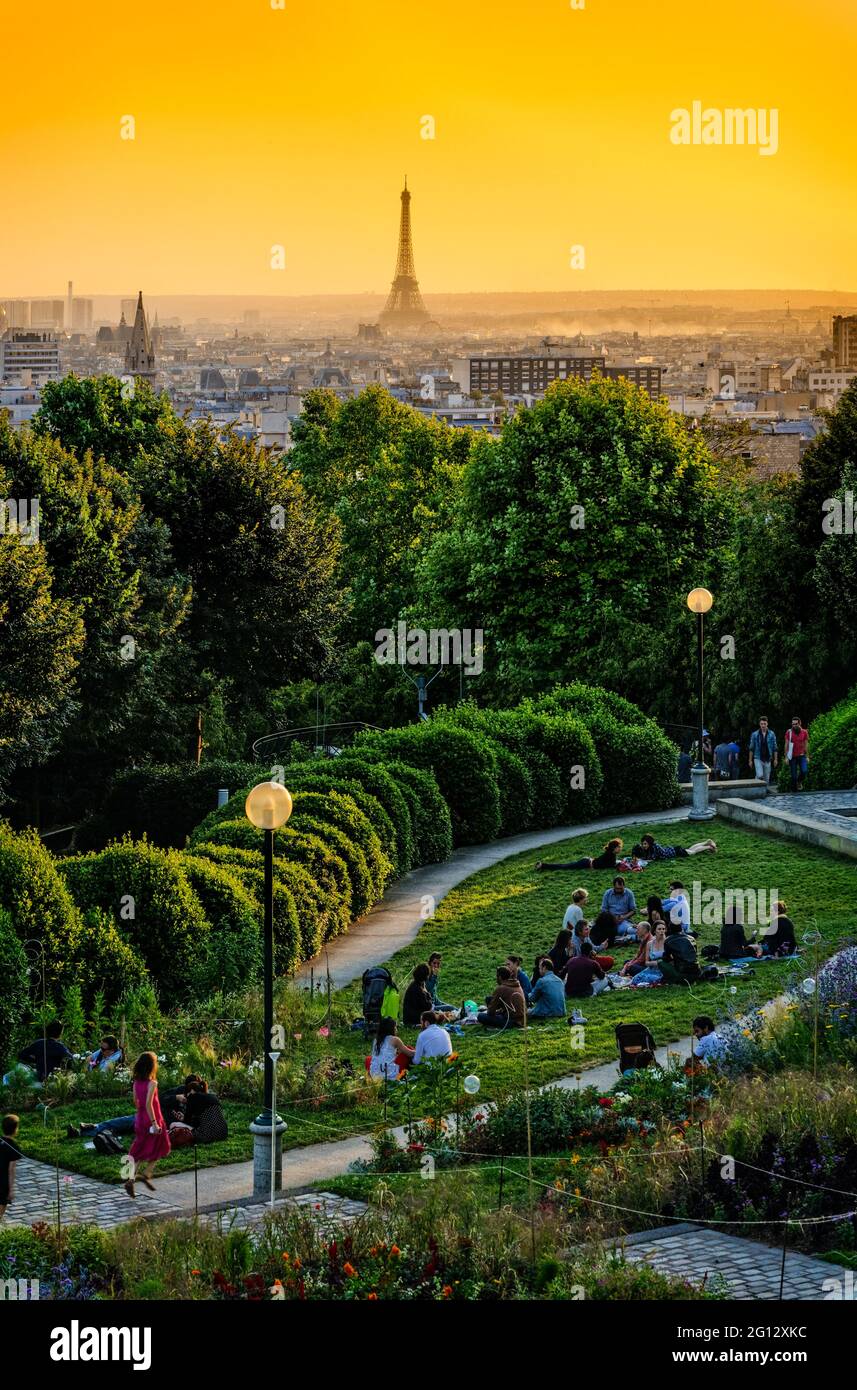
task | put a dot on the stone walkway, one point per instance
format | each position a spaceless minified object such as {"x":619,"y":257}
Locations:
{"x":82,"y":1199}
{"x":808,"y":817}
{"x":750,"y":1270}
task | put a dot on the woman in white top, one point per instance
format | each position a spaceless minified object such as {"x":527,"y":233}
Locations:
{"x":384,"y":1061}
{"x":574,"y":911}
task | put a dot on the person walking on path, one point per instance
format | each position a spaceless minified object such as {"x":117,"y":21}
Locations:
{"x":797,"y":753}
{"x":151,"y":1140}
{"x":763,"y":751}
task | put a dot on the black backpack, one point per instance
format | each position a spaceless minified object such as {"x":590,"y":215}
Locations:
{"x":106,"y":1143}
{"x":375,"y":982}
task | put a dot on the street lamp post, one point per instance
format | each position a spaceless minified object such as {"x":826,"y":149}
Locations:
{"x":699,"y":601}
{"x":268,"y":807}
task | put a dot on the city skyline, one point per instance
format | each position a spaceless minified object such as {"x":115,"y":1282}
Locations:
{"x":544,"y":129}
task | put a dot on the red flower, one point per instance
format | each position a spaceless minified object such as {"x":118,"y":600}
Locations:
{"x":605,"y":1101}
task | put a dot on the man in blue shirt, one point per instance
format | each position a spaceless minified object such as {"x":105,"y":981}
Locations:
{"x":620,"y":902}
{"x":763,"y":751}
{"x":547,"y":999}
{"x":516,"y":965}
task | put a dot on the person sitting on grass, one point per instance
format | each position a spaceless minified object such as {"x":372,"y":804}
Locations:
{"x":605,"y":860}
{"x":652,"y":850}
{"x":417,"y":997}
{"x":204,"y":1121}
{"x":516,"y":965}
{"x":654,"y":911}
{"x":574,"y":911}
{"x":620,"y":904}
{"x":547,"y":998}
{"x":678,"y":964}
{"x":584,"y":977}
{"x":433,"y":1041}
{"x":9,"y":1155}
{"x":602,"y":933}
{"x":107,"y":1055}
{"x":506,"y":1007}
{"x":778,"y":937}
{"x":433,"y":984}
{"x":676,"y":907}
{"x":636,"y":963}
{"x":390,"y":1057}
{"x":708,"y":1047}
{"x":733,"y":943}
{"x":46,"y":1054}
{"x":561,"y":949}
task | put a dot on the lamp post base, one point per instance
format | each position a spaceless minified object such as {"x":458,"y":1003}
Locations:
{"x":701,"y":809}
{"x":267,"y":1142}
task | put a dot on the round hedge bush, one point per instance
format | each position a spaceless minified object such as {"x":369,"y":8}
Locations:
{"x":584,"y":700}
{"x":464,"y":765}
{"x":246,"y":866}
{"x":517,"y":790}
{"x":377,"y":781}
{"x":832,"y":748}
{"x":233,"y":951}
{"x":147,"y":893}
{"x":362,"y":889}
{"x":14,"y":988}
{"x":429,"y":812}
{"x":341,"y":810}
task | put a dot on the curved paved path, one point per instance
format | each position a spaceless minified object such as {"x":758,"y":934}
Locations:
{"x":395,"y":921}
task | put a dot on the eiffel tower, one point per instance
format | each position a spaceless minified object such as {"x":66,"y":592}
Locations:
{"x":404,"y":307}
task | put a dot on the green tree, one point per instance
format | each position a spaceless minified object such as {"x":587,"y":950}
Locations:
{"x":41,"y":637}
{"x":576,"y":538}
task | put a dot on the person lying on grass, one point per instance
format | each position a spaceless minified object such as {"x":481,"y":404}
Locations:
{"x":605,"y":860}
{"x":652,"y":850}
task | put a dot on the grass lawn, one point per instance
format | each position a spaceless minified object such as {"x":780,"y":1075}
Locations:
{"x":482,"y":1179}
{"x":511,"y":907}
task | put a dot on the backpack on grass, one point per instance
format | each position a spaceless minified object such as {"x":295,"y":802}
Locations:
{"x":107,"y":1143}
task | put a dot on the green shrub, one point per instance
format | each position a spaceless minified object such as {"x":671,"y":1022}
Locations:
{"x":148,"y":895}
{"x":430,"y":816}
{"x":238,"y":834}
{"x":360,"y":880}
{"x":832,"y":748}
{"x":233,"y":950}
{"x":341,"y":810}
{"x":163,"y":803}
{"x":516,"y":786}
{"x":547,"y":790}
{"x":585,"y":700}
{"x":464,"y":765}
{"x":378,"y":782}
{"x":14,"y":989}
{"x":303,"y":918}
{"x":324,"y":777}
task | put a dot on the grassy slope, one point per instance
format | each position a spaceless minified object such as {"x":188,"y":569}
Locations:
{"x":510,"y":907}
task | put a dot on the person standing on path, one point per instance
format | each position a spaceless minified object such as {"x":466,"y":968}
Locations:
{"x":763,"y":751}
{"x":797,"y":753}
{"x":151,"y":1140}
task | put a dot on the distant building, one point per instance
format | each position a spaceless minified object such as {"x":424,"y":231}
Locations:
{"x":369,"y":333}
{"x":47,"y":313}
{"x":81,"y":315}
{"x":523,"y":376}
{"x":14,"y":313}
{"x":28,"y":357}
{"x":830,"y":382}
{"x":845,"y":341}
{"x":139,"y":353}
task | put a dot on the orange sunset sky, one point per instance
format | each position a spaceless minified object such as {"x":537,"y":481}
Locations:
{"x":258,"y":126}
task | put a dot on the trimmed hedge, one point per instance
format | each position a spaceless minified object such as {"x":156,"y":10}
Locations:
{"x":832,"y":749}
{"x":147,"y":893}
{"x":87,"y":952}
{"x":585,"y":700}
{"x":362,"y":893}
{"x":464,"y":764}
{"x":163,"y":803}
{"x":246,"y":866}
{"x":14,"y":987}
{"x":378,"y":782}
{"x":430,"y":818}
{"x":339,"y":809}
{"x":233,"y":956}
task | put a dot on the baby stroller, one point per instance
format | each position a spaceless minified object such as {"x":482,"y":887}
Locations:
{"x":636,"y":1046}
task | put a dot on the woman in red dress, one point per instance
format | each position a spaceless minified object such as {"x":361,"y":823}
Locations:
{"x":151,"y":1140}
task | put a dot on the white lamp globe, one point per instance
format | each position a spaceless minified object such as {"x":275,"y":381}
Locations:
{"x":268,"y":806}
{"x":699,"y":600}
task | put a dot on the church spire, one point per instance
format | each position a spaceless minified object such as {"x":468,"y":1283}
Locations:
{"x":139,"y":353}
